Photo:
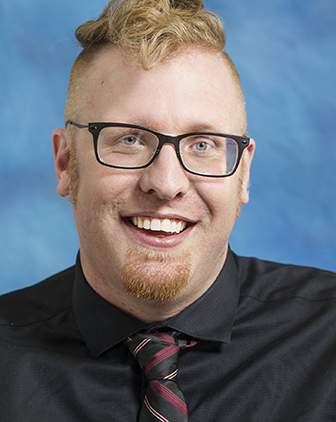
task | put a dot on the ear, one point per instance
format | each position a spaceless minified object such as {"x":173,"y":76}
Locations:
{"x":248,"y":156}
{"x":61,"y":160}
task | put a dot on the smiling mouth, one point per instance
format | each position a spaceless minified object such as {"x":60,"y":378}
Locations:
{"x":160,"y":228}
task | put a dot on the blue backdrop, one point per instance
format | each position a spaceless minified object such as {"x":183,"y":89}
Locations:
{"x":286,"y":53}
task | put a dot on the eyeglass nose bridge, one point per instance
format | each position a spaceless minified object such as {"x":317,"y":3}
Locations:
{"x":167,"y":139}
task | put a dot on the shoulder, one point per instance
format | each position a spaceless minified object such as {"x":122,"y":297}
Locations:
{"x":40,"y":301}
{"x":268,"y":280}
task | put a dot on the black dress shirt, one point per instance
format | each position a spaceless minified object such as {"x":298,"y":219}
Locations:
{"x":266,"y":349}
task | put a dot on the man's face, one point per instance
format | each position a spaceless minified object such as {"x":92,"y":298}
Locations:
{"x":189,"y":92}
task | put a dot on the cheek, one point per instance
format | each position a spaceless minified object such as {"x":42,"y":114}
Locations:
{"x":223,"y":203}
{"x":100,"y":196}
{"x":222,"y":197}
{"x":100,"y":184}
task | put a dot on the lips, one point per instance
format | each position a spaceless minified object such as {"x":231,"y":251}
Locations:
{"x":165,"y":226}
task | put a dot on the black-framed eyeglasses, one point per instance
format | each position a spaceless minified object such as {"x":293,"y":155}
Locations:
{"x":127,"y":146}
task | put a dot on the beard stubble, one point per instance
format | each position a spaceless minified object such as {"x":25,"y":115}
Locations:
{"x":156,"y":276}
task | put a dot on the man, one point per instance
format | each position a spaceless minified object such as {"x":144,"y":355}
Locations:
{"x":155,"y":159}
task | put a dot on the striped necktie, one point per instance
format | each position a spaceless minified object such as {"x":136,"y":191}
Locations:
{"x":157,"y":354}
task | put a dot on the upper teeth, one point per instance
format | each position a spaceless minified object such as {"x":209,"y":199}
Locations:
{"x":155,"y":224}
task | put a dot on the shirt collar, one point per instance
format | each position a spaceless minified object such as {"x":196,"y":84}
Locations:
{"x":210,"y":318}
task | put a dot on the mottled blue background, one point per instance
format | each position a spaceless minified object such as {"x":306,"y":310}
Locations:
{"x":286,"y":53}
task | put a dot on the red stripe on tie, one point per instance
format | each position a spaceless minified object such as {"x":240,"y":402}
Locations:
{"x":169,"y":396}
{"x":154,"y":412}
{"x":140,"y":346}
{"x":160,"y":356}
{"x":165,"y":337}
{"x":171,"y":376}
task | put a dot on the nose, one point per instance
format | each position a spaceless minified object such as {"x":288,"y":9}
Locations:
{"x":165,"y":177}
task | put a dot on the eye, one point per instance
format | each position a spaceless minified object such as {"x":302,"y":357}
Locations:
{"x":130,"y":140}
{"x":202,"y":146}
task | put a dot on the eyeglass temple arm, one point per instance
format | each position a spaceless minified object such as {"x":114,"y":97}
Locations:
{"x":76,"y":124}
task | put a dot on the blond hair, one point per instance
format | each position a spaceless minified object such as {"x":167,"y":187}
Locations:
{"x":148,"y":30}
{"x":152,"y":29}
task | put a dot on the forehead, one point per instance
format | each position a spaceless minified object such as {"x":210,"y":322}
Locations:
{"x":191,"y":85}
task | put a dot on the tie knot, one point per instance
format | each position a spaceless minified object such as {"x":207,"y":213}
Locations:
{"x":157,"y":353}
